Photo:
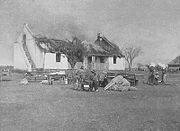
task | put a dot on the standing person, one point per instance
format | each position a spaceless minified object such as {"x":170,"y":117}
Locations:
{"x":151,"y":74}
{"x":164,"y":76}
{"x":156,"y":78}
{"x":89,"y":79}
{"x":105,"y":82}
{"x":95,"y":79}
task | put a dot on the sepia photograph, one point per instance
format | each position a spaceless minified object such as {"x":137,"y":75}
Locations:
{"x":89,"y":65}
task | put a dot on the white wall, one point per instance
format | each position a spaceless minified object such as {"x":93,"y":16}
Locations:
{"x":50,"y":62}
{"x":20,"y":60}
{"x":85,"y":62}
{"x":36,"y":54}
{"x":120,"y":64}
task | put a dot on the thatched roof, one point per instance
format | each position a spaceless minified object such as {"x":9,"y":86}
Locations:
{"x":99,"y":48}
{"x":176,"y":61}
{"x":50,"y":45}
{"x":93,"y":49}
{"x":111,"y":48}
{"x":45,"y":42}
{"x":54,"y":45}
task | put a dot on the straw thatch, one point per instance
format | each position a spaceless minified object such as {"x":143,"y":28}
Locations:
{"x":93,"y":49}
{"x":101,"y":47}
{"x":50,"y":45}
{"x":175,"y":61}
{"x":54,"y":45}
{"x":110,"y":47}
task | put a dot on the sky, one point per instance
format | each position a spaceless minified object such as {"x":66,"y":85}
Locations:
{"x":154,"y":25}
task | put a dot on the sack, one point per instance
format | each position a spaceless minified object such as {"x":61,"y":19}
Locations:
{"x":24,"y":81}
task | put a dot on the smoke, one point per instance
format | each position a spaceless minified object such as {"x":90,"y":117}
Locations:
{"x":42,"y":20}
{"x":151,"y":24}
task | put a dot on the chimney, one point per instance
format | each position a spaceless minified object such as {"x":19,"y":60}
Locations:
{"x":99,"y":36}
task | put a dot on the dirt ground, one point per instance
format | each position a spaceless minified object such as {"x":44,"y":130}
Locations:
{"x":37,"y":107}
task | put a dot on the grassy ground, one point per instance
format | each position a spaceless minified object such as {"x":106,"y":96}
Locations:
{"x":37,"y":107}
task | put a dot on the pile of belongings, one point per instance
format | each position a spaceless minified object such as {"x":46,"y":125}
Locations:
{"x":120,"y":84}
{"x":86,"y":80}
{"x":163,"y":70}
{"x":162,"y":66}
{"x":157,"y":74}
{"x":46,"y":82}
{"x":152,"y":64}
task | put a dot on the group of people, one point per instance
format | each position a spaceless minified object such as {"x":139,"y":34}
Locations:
{"x":157,"y":74}
{"x":92,"y":79}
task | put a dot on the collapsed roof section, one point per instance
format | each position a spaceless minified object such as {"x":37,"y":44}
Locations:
{"x":50,"y":45}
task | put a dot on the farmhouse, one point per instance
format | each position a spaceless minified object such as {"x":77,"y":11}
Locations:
{"x":33,"y":52}
{"x":103,"y":55}
{"x":38,"y":52}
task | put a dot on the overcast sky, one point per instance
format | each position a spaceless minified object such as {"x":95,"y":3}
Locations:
{"x":152,"y":24}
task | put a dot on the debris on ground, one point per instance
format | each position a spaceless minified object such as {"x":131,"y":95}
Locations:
{"x":24,"y":81}
{"x":46,"y":82}
{"x":120,"y":84}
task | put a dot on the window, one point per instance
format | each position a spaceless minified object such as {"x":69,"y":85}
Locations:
{"x":114,"y":59}
{"x":58,"y":57}
{"x":102,"y":60}
{"x":90,"y":59}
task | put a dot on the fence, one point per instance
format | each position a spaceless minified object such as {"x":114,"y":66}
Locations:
{"x":98,"y":66}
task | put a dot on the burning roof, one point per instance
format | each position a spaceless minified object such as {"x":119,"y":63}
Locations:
{"x":101,"y":47}
{"x":50,"y":45}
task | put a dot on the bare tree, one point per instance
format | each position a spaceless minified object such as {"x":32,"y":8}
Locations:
{"x":131,"y":53}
